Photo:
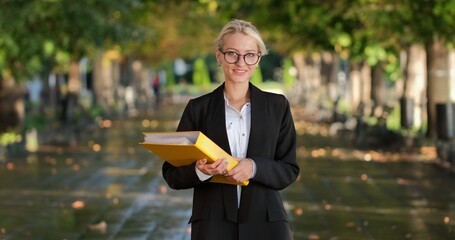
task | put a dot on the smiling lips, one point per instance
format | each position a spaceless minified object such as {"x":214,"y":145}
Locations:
{"x":240,"y":71}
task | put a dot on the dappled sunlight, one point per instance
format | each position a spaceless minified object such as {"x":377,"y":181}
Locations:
{"x":159,"y":125}
{"x":424,"y":154}
{"x":318,"y":153}
{"x":96,"y":147}
{"x":315,"y":141}
{"x":106,"y":123}
{"x":10,"y":166}
{"x":116,"y":171}
{"x":392,"y":220}
{"x":314,"y":237}
{"x":344,"y":191}
{"x":163,"y":189}
{"x":150,"y":123}
{"x":100,"y":227}
{"x":298,"y":211}
{"x":327,"y":207}
{"x":107,"y":185}
{"x":131,"y":151}
{"x":114,"y":189}
{"x":78,"y":204}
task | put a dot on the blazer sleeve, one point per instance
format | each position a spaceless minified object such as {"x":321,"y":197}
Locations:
{"x":182,"y":177}
{"x":280,"y":169}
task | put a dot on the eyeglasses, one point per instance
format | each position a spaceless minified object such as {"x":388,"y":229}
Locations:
{"x":232,"y":57}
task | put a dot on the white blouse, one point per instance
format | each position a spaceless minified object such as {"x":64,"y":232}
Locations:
{"x":238,"y":125}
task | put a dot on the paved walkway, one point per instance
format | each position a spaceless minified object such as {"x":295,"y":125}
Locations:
{"x":108,"y":187}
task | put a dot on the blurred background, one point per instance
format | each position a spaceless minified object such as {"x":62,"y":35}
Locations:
{"x":375,"y":76}
{"x":64,"y":62}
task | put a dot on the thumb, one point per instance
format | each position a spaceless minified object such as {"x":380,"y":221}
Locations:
{"x":201,"y":162}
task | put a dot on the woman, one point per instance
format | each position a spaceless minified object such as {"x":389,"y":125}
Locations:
{"x":257,"y":129}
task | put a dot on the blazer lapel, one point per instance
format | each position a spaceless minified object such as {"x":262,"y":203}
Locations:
{"x":258,"y":116}
{"x":216,"y":119}
{"x":216,"y":130}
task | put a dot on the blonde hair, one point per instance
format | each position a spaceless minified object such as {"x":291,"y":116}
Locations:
{"x":244,"y":27}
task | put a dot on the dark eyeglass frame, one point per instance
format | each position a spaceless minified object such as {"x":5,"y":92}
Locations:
{"x":240,"y":55}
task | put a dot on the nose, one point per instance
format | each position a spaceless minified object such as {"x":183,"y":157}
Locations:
{"x":241,"y":60}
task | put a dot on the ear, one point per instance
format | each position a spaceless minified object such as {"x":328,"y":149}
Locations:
{"x":218,"y":56}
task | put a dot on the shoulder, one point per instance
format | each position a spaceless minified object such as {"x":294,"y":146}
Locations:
{"x":207,"y":100}
{"x":207,"y":97}
{"x":200,"y":99}
{"x":275,"y":99}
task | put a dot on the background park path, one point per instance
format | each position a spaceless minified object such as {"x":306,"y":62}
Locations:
{"x":108,"y":187}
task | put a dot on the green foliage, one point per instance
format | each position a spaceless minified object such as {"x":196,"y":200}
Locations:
{"x":45,"y":34}
{"x":87,"y":115}
{"x":170,"y":77}
{"x":394,"y":120}
{"x":35,"y":121}
{"x":37,"y":36}
{"x":201,"y":76}
{"x":288,"y":78}
{"x":8,"y":138}
{"x":257,"y":76}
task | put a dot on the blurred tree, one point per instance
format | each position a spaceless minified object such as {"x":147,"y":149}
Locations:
{"x":54,"y":33}
{"x":257,"y":76}
{"x":186,"y":36}
{"x":170,"y":77}
{"x":201,"y":76}
{"x":39,"y":37}
{"x":288,"y":74}
{"x":370,"y":34}
{"x":432,"y":23}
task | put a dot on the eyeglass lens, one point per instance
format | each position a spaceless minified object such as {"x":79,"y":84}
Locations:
{"x":249,"y":58}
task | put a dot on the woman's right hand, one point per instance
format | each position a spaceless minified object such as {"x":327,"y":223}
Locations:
{"x":216,"y":168}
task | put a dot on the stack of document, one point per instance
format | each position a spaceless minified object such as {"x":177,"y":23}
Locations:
{"x":184,"y":148}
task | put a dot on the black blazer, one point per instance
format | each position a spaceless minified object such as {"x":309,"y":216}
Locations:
{"x":272,"y":145}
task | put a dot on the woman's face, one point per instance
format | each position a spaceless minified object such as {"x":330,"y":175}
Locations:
{"x":238,"y":44}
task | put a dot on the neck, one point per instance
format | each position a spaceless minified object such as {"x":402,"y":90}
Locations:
{"x":237,"y":92}
{"x":237,"y":96}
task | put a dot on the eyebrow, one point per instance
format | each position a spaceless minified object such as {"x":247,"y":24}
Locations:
{"x":236,"y":50}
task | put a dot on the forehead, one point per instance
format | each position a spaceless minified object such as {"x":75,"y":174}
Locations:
{"x":240,"y":41}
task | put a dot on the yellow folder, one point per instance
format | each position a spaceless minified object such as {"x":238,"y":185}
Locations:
{"x":184,"y":148}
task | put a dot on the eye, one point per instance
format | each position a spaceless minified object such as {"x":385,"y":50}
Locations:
{"x":232,"y":54}
{"x":250,"y":55}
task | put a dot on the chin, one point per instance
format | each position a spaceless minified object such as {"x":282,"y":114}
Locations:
{"x":242,"y":81}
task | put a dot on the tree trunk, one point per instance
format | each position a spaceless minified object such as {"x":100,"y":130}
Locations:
{"x":365,"y":75}
{"x":360,"y":85}
{"x":330,"y":67}
{"x":299,"y":90}
{"x":414,"y":83}
{"x":12,"y":105}
{"x":74,"y":87}
{"x":102,"y":82}
{"x":355,"y":85}
{"x":378,"y":90}
{"x":438,"y":87}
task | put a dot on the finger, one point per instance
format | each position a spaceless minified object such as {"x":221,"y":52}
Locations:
{"x":220,"y":166}
{"x":220,"y":162}
{"x":201,"y":162}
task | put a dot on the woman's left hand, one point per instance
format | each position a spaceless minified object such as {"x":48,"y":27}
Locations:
{"x":243,"y":171}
